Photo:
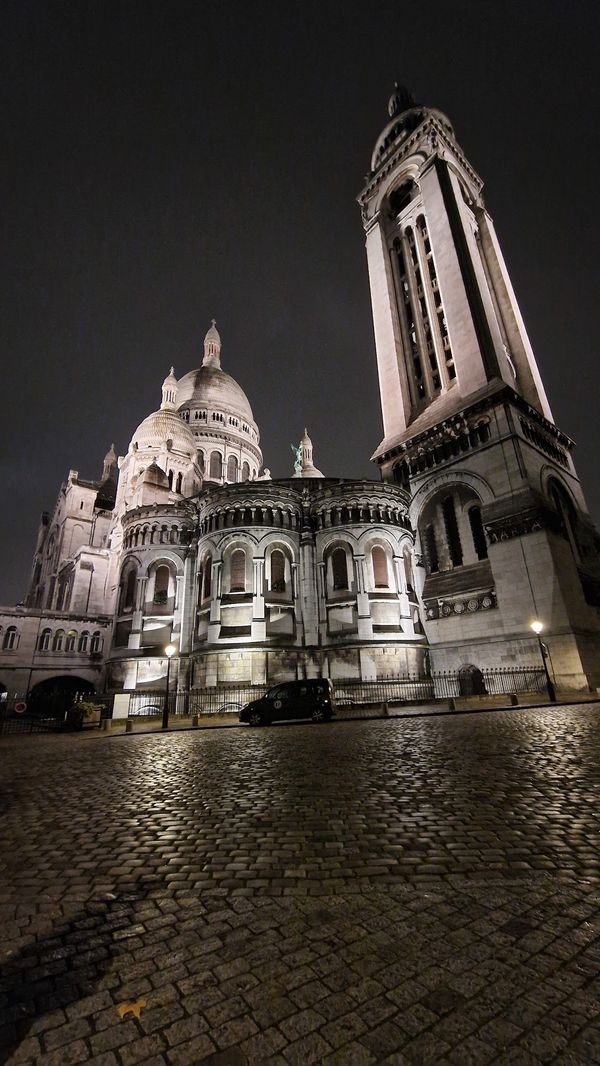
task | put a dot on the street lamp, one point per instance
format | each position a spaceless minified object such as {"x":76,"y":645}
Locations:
{"x":537,"y":629}
{"x":169,"y":652}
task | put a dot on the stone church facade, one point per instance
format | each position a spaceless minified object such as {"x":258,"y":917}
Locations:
{"x":477,"y":526}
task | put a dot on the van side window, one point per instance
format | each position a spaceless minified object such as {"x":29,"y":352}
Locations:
{"x":279,"y":694}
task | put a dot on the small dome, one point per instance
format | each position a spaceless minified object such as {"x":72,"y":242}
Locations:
{"x":162,"y":427}
{"x":400,"y":100}
{"x":405,"y":117}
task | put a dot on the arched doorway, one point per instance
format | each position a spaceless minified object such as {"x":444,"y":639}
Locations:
{"x":55,"y":695}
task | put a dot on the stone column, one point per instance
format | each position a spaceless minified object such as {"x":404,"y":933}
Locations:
{"x":308,"y":590}
{"x":259,"y":625}
{"x":214,"y":621}
{"x":365,"y":622}
{"x":137,"y":618}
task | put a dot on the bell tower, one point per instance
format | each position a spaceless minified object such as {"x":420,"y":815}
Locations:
{"x":503,"y":535}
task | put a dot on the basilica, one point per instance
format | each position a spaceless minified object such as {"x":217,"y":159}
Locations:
{"x":475,"y":527}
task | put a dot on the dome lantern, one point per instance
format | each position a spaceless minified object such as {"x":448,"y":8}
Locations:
{"x":306,"y":455}
{"x":212,"y":347}
{"x":169,"y":392}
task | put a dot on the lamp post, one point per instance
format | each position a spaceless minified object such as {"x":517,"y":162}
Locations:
{"x":169,"y":652}
{"x":537,"y":629}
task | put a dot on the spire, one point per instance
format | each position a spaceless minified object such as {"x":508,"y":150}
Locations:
{"x":169,"y":392}
{"x":212,"y":347}
{"x":110,"y":464}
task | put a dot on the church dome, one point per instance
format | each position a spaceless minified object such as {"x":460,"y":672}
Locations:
{"x":209,"y":386}
{"x":163,"y":426}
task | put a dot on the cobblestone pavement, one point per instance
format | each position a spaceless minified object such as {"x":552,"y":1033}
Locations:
{"x":401,"y":892}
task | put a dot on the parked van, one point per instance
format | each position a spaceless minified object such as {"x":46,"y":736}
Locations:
{"x":295,"y":699}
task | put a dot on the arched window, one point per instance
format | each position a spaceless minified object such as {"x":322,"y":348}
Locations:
{"x":232,"y":468}
{"x":477,"y":532}
{"x":380,"y":568}
{"x":179,"y":482}
{"x":44,"y":640}
{"x":71,"y":640}
{"x":277,"y":571}
{"x":96,"y":643}
{"x":216,"y":466}
{"x":339,"y":568}
{"x":245,"y":471}
{"x":10,"y":639}
{"x":207,"y":578}
{"x":161,"y":584}
{"x":237,"y":579}
{"x":170,"y":477}
{"x":201,"y":461}
{"x":83,"y":641}
{"x":57,"y":643}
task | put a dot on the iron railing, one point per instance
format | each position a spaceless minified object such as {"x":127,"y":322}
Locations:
{"x":229,"y":699}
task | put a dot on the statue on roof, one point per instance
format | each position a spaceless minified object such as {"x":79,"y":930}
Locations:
{"x":297,"y":450}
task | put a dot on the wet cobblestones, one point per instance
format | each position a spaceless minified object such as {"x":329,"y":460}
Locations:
{"x":410,"y":891}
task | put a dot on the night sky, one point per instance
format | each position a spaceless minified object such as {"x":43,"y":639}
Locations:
{"x":164,"y":163}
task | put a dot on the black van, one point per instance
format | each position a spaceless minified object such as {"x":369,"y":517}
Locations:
{"x":295,"y":699}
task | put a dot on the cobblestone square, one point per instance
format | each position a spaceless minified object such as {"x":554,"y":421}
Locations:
{"x":402,"y":891}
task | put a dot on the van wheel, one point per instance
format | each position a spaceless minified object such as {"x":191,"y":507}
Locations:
{"x":318,"y":715}
{"x":255,"y":718}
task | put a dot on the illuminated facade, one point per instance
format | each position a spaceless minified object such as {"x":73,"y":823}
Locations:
{"x":502,"y":531}
{"x":477,"y":525}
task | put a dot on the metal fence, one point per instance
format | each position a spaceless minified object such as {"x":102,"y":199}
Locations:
{"x":229,"y":699}
{"x":492,"y":682}
{"x":222,"y":699}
